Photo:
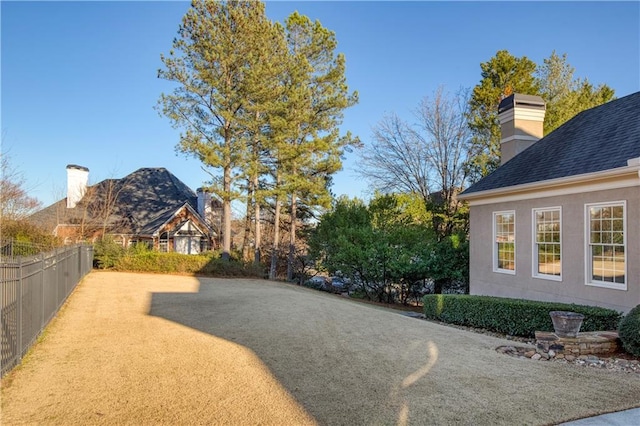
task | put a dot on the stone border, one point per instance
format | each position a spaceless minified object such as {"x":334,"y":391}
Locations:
{"x":589,"y":343}
{"x":612,"y":363}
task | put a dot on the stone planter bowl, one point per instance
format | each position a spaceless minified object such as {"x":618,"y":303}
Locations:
{"x":566,"y":324}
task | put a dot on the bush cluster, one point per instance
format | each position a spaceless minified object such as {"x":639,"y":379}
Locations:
{"x":106,"y":252}
{"x":140,"y":258}
{"x":232,"y":268}
{"x":157,"y":262}
{"x":629,"y":331}
{"x":515,"y":317}
{"x":28,"y":234}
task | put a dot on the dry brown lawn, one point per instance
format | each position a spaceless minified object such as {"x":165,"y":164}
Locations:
{"x":156,"y":349}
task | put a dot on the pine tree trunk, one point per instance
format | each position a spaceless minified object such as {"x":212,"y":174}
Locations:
{"x":258,"y":228}
{"x":226,"y":215}
{"x":292,"y":238}
{"x":247,"y":226}
{"x":276,"y":237}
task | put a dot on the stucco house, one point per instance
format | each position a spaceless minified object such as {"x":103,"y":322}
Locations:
{"x":559,"y":220}
{"x":150,"y":206}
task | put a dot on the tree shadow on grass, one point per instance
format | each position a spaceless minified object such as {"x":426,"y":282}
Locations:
{"x":324,"y":351}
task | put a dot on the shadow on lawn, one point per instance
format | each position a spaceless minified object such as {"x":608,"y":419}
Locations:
{"x":314,"y":345}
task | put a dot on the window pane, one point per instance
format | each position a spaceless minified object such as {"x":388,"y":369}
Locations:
{"x":548,"y":235}
{"x":606,"y":244}
{"x":617,"y":224}
{"x":617,"y":212}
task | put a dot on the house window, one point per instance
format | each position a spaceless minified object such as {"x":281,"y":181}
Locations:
{"x":606,"y":237}
{"x":504,"y":237}
{"x":163,"y":243}
{"x":547,"y":258}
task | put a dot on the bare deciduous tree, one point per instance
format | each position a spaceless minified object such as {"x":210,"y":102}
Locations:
{"x":427,"y":158}
{"x":15,"y":202}
{"x":445,"y":134}
{"x":396,"y":161}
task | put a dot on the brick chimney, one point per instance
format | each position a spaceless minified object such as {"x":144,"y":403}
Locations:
{"x":521,"y":124}
{"x":77,"y":178}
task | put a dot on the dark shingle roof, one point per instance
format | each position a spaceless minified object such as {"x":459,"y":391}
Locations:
{"x":146,"y":193}
{"x":595,"y":140}
{"x":145,"y":198}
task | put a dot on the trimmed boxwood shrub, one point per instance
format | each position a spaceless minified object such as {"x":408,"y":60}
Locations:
{"x":515,"y":317}
{"x":629,"y":331}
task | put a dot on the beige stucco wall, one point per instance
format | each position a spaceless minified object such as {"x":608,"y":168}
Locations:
{"x":572,"y":288}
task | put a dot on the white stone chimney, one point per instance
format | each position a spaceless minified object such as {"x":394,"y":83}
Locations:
{"x":77,"y":178}
{"x":521,"y":124}
{"x":204,"y":204}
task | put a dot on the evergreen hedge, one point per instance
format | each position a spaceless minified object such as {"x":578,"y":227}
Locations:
{"x":515,"y":317}
{"x":177,"y":263}
{"x":629,"y":331}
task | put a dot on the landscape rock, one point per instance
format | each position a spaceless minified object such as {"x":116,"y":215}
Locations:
{"x":619,"y":362}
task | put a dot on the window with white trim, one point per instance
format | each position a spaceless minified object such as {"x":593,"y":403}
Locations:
{"x":504,"y":238}
{"x":547,"y":247}
{"x":606,"y":243}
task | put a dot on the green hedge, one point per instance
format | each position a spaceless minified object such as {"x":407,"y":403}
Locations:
{"x":206,"y":264}
{"x":515,"y":317}
{"x":629,"y":331}
{"x":161,"y":262}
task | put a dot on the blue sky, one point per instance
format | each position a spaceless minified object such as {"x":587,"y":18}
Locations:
{"x":79,"y":79}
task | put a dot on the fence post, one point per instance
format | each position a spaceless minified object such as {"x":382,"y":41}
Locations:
{"x":19,"y":321}
{"x":42,"y":279}
{"x":80,"y":260}
{"x":56,"y":273}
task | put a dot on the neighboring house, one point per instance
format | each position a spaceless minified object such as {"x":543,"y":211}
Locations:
{"x":559,"y":220}
{"x":149,"y":206}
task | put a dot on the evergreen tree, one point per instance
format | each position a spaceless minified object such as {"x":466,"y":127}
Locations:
{"x":502,"y":75}
{"x":216,"y":61}
{"x":308,"y":142}
{"x":565,"y":95}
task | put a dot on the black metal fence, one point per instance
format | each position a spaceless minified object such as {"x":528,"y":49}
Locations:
{"x":32,"y":290}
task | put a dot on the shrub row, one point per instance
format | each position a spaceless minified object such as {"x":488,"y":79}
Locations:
{"x":206,"y":264}
{"x":161,"y":262}
{"x":140,"y":258}
{"x":629,"y":331}
{"x":515,"y":317}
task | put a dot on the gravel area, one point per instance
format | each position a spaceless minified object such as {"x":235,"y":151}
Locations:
{"x":156,"y":349}
{"x":614,"y":363}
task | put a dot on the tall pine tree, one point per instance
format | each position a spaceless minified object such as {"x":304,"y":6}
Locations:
{"x":505,"y":74}
{"x":216,"y":61}
{"x":317,"y":95}
{"x":502,"y":75}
